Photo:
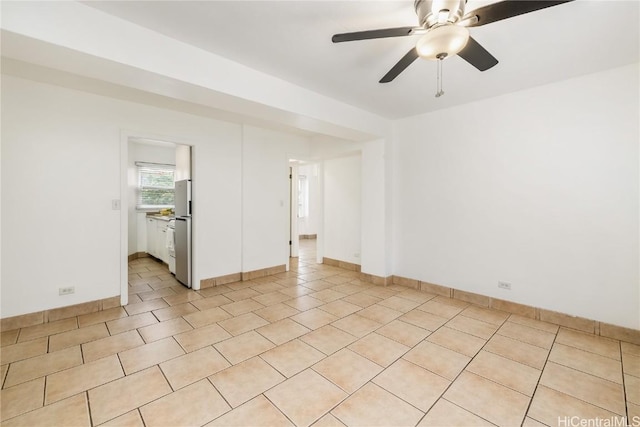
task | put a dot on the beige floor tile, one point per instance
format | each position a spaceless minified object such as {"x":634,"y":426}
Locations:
{"x":631,"y":364}
{"x":39,"y":331}
{"x":276,"y":312}
{"x":318,"y":285}
{"x":445,"y":413}
{"x":328,"y":295}
{"x":77,"y":336}
{"x":628,"y":348}
{"x":121,"y":396}
{"x":304,"y":302}
{"x":132,"y":322}
{"x":246,"y":380}
{"x":374,"y":406}
{"x":210,"y":302}
{"x":347,"y":370}
{"x":362,"y":299}
{"x":282,"y":331}
{"x":144,"y":356}
{"x":192,"y":367}
{"x":554,"y":408}
{"x":40,"y":366}
{"x":72,"y":381}
{"x":174,"y":311}
{"x":442,"y":361}
{"x":590,"y":363}
{"x":130,"y":419}
{"x":241,"y":307}
{"x":530,"y":422}
{"x":633,"y":410}
{"x":491,"y":401}
{"x":194,"y":405}
{"x":495,"y":317}
{"x":379,"y":349}
{"x":164,"y":329}
{"x":207,"y":317}
{"x":110,"y":345}
{"x":138,"y":286}
{"x":243,"y":347}
{"x":271,"y":298}
{"x":416,"y":295}
{"x":516,"y":376}
{"x":269,"y":287}
{"x":589,"y":342}
{"x":258,"y":412}
{"x":536,"y":324}
{"x":519,"y":351}
{"x":404,"y":333}
{"x":24,"y":350}
{"x":328,"y":421}
{"x":399,"y":303}
{"x":3,"y":374}
{"x":101,"y":316}
{"x":632,"y":388}
{"x":526,"y":334}
{"x":143,"y":307}
{"x":328,"y":339}
{"x":159,"y":293}
{"x":314,"y":318}
{"x":458,"y":341}
{"x":201,"y":337}
{"x":591,"y":389}
{"x":73,"y":411}
{"x":182,"y":297}
{"x":296,"y":291}
{"x":451,"y":301}
{"x":305,"y":397}
{"x":292,"y":357}
{"x":357,"y":325}
{"x":440,"y":309}
{"x":340,"y":308}
{"x":424,"y":320}
{"x":472,"y":326}
{"x":21,"y":398}
{"x":241,"y":294}
{"x":9,"y":337}
{"x":213,"y":291}
{"x":380,"y":313}
{"x":242,"y":323}
{"x":413,"y":384}
{"x":380,"y":292}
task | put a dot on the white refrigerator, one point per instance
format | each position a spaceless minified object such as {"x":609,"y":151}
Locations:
{"x":182,"y":234}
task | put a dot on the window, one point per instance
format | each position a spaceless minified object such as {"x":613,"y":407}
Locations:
{"x":303,"y":196}
{"x":155,"y":186}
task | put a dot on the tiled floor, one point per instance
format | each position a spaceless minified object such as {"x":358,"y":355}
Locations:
{"x":314,"y":346}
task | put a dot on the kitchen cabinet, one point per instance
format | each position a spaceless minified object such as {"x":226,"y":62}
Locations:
{"x":157,"y":239}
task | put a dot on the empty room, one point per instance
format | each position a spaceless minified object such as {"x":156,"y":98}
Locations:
{"x":320,"y":213}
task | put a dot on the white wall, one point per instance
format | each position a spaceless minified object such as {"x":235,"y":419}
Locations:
{"x":539,"y":188}
{"x":309,"y":224}
{"x":183,"y":162}
{"x":342,"y":208}
{"x":61,"y":169}
{"x":142,"y":152}
{"x":265,"y":195}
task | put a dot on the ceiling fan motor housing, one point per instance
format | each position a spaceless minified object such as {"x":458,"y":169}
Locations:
{"x":434,"y":12}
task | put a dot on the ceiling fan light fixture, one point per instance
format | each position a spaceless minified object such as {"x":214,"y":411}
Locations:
{"x":442,"y":41}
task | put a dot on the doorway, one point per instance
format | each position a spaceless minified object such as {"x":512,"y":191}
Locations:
{"x":152,"y":167}
{"x":305,"y":211}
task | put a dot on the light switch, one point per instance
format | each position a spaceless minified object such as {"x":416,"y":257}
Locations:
{"x":115,"y":204}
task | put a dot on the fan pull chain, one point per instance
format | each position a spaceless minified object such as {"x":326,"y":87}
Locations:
{"x":439,"y":92}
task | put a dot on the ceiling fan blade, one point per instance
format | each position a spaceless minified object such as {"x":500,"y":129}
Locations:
{"x":477,"y":55}
{"x":505,"y":9}
{"x":375,"y":34}
{"x":406,"y":60}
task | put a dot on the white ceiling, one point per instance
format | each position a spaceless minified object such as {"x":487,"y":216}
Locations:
{"x":292,"y":40}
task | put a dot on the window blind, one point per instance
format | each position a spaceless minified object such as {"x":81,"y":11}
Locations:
{"x":155,"y":185}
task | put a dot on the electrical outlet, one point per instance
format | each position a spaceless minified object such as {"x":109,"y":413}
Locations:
{"x":504,"y":285}
{"x":66,"y":291}
{"x":356,"y":255}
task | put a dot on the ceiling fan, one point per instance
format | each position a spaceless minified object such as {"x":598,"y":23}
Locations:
{"x":444,"y":25}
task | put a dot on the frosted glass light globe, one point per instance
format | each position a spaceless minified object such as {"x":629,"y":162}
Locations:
{"x":442,"y":41}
